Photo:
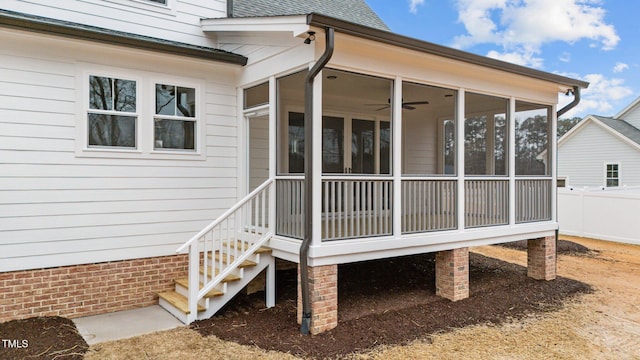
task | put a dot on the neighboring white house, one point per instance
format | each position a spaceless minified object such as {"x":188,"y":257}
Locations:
{"x":172,"y":149}
{"x":599,"y":161}
{"x":602,"y":151}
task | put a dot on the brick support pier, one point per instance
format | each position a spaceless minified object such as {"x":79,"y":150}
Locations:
{"x":452,"y":274}
{"x":541,"y":258}
{"x":323,"y":290}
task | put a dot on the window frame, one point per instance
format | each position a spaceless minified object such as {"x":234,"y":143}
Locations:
{"x":618,"y":172}
{"x":145,"y":110}
{"x":145,"y":6}
{"x":195,"y":119}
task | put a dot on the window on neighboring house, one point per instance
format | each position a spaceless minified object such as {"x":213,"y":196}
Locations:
{"x":175,"y":119}
{"x":112,"y":117}
{"x":613,"y":175}
{"x":562,"y":182}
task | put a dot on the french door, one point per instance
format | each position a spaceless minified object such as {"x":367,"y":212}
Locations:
{"x":355,"y":146}
{"x":349,"y":145}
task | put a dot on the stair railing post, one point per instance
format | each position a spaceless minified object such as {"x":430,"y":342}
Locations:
{"x":194,"y":281}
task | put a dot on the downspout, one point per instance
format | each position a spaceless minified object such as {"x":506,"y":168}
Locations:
{"x":569,"y":106}
{"x":308,"y":176}
{"x":229,"y":8}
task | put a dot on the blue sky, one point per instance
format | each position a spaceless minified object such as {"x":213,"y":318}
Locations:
{"x":591,"y":40}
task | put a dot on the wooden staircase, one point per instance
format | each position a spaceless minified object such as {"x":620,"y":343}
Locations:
{"x":176,"y":301}
{"x":225,"y":256}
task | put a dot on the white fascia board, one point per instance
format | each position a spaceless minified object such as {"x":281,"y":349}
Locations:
{"x":297,"y":24}
{"x":575,"y":129}
{"x":628,"y":108}
{"x":618,"y":135}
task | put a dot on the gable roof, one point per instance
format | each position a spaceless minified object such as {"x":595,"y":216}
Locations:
{"x":620,"y":128}
{"x":627,"y":109}
{"x":355,"y":11}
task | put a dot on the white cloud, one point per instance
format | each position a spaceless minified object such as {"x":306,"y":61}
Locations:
{"x":620,"y":67}
{"x":522,"y":27}
{"x":413,"y":5}
{"x":603,"y":96}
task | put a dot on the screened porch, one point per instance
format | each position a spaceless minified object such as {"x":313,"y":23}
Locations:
{"x":441,"y":159}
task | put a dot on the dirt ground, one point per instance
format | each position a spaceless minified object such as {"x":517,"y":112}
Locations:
{"x":523,"y":318}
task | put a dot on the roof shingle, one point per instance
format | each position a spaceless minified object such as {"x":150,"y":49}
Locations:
{"x":355,"y":11}
{"x":624,"y":128}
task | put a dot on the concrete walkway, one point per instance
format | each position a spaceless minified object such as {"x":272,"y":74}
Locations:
{"x":125,"y":324}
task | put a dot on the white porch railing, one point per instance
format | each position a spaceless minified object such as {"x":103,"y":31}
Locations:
{"x":533,"y":200}
{"x":290,"y":207}
{"x":354,"y":207}
{"x":428,"y":205}
{"x":486,"y":202}
{"x":218,"y":250}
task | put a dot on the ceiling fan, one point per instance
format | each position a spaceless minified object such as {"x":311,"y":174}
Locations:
{"x":405,"y":105}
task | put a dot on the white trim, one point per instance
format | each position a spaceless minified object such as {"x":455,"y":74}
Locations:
{"x":586,"y":121}
{"x":396,"y":153}
{"x":512,"y":159}
{"x":145,"y":110}
{"x":296,"y":24}
{"x":144,"y":6}
{"x":606,"y":177}
{"x":627,"y":108}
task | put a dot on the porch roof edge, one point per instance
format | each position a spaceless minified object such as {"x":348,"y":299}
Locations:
{"x":57,"y":27}
{"x":406,"y":42}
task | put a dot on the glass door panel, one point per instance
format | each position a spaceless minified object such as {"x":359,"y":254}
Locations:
{"x":332,"y":144}
{"x":363,"y":147}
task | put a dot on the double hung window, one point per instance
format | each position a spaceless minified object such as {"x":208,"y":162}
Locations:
{"x":175,"y":120}
{"x":112,"y":117}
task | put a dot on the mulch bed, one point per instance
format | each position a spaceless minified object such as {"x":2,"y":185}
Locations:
{"x":564,"y":247}
{"x":389,"y":302}
{"x":47,"y":337}
{"x":383,"y":302}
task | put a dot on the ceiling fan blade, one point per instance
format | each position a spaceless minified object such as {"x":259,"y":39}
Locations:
{"x":382,"y":108}
{"x":416,"y":103}
{"x":408,"y":107}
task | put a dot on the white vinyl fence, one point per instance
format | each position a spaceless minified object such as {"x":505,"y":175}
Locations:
{"x":607,"y":214}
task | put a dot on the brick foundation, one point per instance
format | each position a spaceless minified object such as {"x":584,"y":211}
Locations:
{"x":452,"y":274}
{"x":81,"y":290}
{"x":541,"y":258}
{"x":323,"y":290}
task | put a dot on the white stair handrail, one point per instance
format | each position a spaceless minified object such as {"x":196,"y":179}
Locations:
{"x":247,"y":225}
{"x":226,"y":214}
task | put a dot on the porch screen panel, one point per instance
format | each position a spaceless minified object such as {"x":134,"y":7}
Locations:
{"x":486,"y":203}
{"x":428,"y":126}
{"x":486,"y":135}
{"x":533,"y":165}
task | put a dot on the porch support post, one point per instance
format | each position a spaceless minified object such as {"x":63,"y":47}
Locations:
{"x":452,"y":274}
{"x":273,"y":128}
{"x":323,"y":293}
{"x":397,"y":157}
{"x":460,"y":156}
{"x":511,"y":116}
{"x":541,"y":258}
{"x":316,"y":179}
{"x":553,"y":159}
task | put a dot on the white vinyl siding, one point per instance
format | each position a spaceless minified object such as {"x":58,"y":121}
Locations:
{"x":57,"y":208}
{"x":179,"y":20}
{"x":632,"y":116}
{"x":582,"y":157}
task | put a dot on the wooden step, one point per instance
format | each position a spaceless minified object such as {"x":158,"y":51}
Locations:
{"x":184,"y":282}
{"x":229,"y":278}
{"x":244,"y":264}
{"x":245,"y":246}
{"x":178,"y":301}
